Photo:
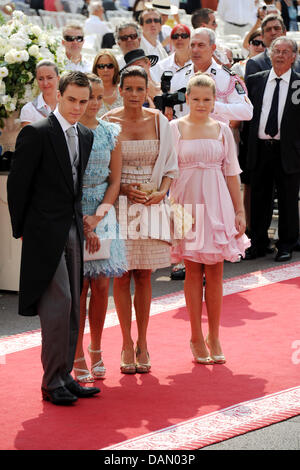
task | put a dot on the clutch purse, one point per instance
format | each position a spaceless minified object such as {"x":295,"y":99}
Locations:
{"x":148,"y":188}
{"x":102,"y":253}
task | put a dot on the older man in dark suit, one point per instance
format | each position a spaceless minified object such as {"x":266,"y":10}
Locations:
{"x":272,"y":27}
{"x":274,"y":150}
{"x":44,"y":196}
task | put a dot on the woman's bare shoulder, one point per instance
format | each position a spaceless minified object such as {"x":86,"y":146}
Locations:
{"x":113,"y":115}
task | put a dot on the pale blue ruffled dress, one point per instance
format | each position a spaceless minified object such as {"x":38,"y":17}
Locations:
{"x":95,"y":183}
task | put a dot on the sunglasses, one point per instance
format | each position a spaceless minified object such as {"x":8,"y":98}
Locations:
{"x":102,"y":66}
{"x":152,"y":20}
{"x":128,"y":36}
{"x":180,"y":35}
{"x":74,"y":38}
{"x":257,"y":42}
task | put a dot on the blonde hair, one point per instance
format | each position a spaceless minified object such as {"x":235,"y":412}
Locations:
{"x":202,"y":80}
{"x":72,"y":25}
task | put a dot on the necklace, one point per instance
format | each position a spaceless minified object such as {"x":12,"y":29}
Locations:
{"x":111,"y":95}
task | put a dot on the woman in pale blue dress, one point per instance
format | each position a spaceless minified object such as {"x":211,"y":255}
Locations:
{"x":101,"y":185}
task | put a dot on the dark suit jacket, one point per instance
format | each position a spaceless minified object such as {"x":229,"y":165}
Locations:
{"x":262,"y":62}
{"x":42,"y":202}
{"x":289,"y":128}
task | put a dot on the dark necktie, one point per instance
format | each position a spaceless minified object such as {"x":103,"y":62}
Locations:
{"x":272,"y":122}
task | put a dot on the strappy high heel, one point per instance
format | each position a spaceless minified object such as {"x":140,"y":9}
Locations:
{"x":98,"y":370}
{"x":82,"y":375}
{"x":218,"y":359}
{"x":207,"y":360}
{"x":142,"y":367}
{"x":127,"y":368}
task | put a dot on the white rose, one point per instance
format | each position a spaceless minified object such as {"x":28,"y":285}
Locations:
{"x":10,"y":107}
{"x":4,"y":99}
{"x":21,"y":56}
{"x":46,"y":54}
{"x":36,"y":30}
{"x":34,"y":51}
{"x":17,"y":42}
{"x":18,"y":15}
{"x":10,"y":57}
{"x":3,"y":72}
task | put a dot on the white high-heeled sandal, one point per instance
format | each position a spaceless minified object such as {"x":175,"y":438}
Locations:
{"x":207,"y":360}
{"x":86,"y":377}
{"x":98,"y":370}
{"x":218,"y":359}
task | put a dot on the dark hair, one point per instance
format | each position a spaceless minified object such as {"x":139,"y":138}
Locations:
{"x":73,"y":78}
{"x":47,"y":63}
{"x":272,"y":18}
{"x":201,"y":16}
{"x":254,"y":35}
{"x":133,"y":71}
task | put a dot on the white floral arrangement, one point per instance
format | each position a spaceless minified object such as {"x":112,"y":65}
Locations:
{"x":22,"y":46}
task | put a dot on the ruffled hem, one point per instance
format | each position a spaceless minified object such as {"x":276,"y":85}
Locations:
{"x":229,"y":251}
{"x":115,"y":266}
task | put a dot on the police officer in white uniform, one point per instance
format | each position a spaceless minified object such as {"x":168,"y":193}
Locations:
{"x":232,"y":102}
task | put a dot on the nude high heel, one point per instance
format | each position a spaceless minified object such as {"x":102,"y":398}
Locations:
{"x":207,"y":360}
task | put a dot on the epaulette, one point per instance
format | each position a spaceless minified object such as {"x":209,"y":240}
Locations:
{"x":231,"y":72}
{"x":184,"y":67}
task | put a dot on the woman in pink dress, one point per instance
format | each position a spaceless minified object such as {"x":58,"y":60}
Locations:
{"x":209,"y":187}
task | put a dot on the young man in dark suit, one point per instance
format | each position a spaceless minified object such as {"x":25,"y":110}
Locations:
{"x":274,"y":150}
{"x":44,"y":196}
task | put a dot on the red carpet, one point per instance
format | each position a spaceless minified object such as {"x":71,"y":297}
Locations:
{"x":202,"y":404}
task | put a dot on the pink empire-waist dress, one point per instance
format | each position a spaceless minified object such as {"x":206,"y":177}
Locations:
{"x":203,"y":167}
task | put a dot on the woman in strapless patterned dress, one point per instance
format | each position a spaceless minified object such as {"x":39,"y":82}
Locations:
{"x":148,"y":158}
{"x":209,"y":183}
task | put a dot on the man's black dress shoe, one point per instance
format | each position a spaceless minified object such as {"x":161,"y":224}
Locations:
{"x":82,"y":392}
{"x":59,"y":396}
{"x":253,"y":253}
{"x":283,"y":256}
{"x":178,"y":273}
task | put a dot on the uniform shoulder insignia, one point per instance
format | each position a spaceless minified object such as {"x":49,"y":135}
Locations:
{"x":239,"y":88}
{"x":182,"y":68}
{"x":231,"y":72}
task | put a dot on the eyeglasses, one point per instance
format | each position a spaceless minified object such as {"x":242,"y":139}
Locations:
{"x":180,"y":35}
{"x":102,"y":66}
{"x":73,"y":38}
{"x":152,"y":20}
{"x":128,"y":36}
{"x":284,"y":52}
{"x":257,"y":42}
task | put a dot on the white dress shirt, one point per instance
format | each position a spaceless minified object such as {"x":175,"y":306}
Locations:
{"x":166,"y":64}
{"x":30,"y":113}
{"x":82,"y":66}
{"x":240,"y":12}
{"x":235,"y":106}
{"x":267,"y":101}
{"x":65,"y":125}
{"x":149,"y":49}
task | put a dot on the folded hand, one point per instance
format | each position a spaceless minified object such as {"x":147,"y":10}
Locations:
{"x":92,"y":242}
